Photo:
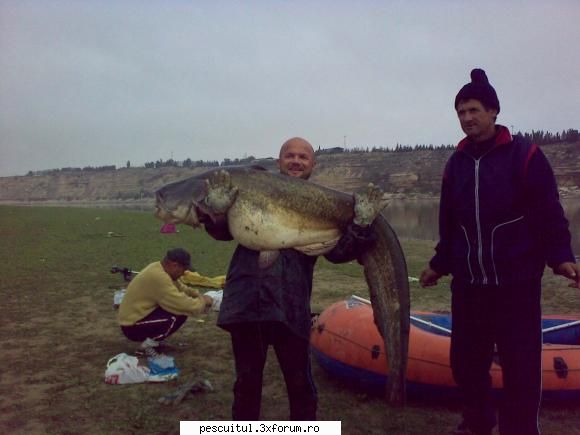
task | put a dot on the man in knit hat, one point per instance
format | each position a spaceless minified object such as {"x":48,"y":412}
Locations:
{"x":500,"y":223}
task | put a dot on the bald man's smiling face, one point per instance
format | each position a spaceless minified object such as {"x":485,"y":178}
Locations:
{"x":296,"y":159}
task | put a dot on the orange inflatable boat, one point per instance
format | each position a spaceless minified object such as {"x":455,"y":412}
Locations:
{"x":347,"y":344}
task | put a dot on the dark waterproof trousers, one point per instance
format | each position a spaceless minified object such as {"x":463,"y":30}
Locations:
{"x":250,"y":342}
{"x":508,"y":317}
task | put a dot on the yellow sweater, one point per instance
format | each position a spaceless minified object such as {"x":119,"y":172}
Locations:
{"x":153,"y":287}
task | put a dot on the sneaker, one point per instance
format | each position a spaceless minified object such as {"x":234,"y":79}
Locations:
{"x":148,"y":348}
{"x":149,"y":342}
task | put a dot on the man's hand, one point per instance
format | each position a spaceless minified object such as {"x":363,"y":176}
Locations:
{"x":208,"y":301}
{"x":368,"y":205}
{"x":220,"y":192}
{"x":429,"y":277}
{"x":569,"y":270}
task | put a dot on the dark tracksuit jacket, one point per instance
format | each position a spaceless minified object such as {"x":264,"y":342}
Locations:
{"x":500,"y":219}
{"x":500,"y":223}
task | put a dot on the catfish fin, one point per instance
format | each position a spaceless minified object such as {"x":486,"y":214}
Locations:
{"x":318,"y":248}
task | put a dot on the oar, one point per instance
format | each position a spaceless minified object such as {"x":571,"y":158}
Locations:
{"x":416,"y":319}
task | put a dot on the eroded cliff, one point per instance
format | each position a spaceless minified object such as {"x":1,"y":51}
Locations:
{"x":409,"y":174}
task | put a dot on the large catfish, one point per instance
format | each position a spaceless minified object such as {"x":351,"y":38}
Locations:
{"x":273,"y":211}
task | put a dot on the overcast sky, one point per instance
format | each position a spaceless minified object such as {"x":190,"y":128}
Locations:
{"x":92,"y":83}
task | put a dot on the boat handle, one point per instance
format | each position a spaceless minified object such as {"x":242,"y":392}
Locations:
{"x":560,"y":367}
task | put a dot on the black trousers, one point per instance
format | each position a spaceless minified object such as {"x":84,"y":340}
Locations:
{"x":506,"y":318}
{"x":158,"y":325}
{"x":250,"y":342}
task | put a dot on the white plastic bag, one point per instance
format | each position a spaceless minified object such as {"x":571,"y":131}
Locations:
{"x":125,"y":369}
{"x":217,"y":296}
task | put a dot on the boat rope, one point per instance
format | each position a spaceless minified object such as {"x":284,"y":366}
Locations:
{"x":564,"y":326}
{"x":381,"y":352}
{"x":495,"y":368}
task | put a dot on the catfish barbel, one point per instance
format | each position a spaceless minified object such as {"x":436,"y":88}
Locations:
{"x":274,"y":211}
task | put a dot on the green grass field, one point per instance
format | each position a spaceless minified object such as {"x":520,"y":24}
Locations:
{"x":58,"y":330}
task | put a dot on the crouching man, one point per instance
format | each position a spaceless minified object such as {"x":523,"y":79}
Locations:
{"x":156,"y":304}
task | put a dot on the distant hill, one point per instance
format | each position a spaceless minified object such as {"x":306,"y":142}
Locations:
{"x":414,"y":173}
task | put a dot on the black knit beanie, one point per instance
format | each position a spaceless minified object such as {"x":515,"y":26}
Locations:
{"x":479,"y":89}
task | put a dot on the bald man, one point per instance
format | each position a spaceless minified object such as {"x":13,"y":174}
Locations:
{"x":270,"y":306}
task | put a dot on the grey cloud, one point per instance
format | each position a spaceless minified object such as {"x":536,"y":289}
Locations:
{"x":95,"y":83}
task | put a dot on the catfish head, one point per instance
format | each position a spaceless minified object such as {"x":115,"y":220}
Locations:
{"x":180,"y":202}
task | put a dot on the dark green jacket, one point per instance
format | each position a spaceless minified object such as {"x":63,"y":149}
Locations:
{"x":281,"y":292}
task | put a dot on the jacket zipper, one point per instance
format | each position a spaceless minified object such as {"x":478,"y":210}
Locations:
{"x":492,"y":239}
{"x":468,"y":254}
{"x":478,"y":223}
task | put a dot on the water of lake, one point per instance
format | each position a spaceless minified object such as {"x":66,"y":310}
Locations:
{"x":419,"y":219}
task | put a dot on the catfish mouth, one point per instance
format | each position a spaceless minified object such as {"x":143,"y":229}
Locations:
{"x":181,"y":214}
{"x":162,"y":214}
{"x":161,"y":210}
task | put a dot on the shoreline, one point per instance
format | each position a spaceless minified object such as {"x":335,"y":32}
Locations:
{"x":565,"y":194}
{"x":80,"y":203}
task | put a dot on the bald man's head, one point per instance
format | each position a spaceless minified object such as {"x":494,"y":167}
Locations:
{"x":296,"y":158}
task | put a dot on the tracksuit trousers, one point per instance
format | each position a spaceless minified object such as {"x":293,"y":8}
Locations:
{"x":250,"y":342}
{"x":157,"y":326}
{"x":505,"y":319}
